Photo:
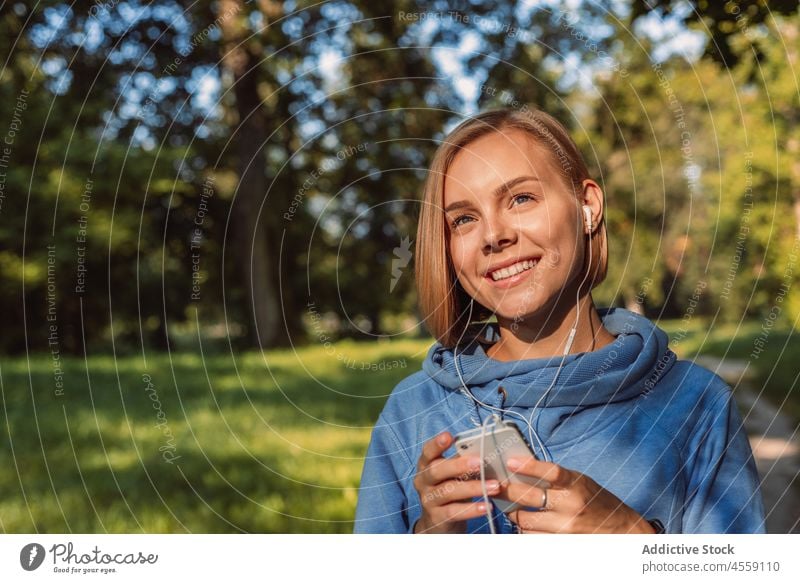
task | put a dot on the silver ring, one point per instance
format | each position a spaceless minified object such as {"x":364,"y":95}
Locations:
{"x":544,"y":499}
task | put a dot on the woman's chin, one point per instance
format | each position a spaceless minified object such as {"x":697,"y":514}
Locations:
{"x":519,"y":316}
{"x":510,"y":317}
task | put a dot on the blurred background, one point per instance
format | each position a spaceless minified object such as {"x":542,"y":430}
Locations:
{"x":208,"y":223}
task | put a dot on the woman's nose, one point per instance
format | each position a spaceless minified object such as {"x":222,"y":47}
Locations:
{"x":497,"y":235}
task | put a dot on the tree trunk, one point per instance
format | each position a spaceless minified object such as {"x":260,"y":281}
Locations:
{"x":256,"y":262}
{"x":797,"y":213}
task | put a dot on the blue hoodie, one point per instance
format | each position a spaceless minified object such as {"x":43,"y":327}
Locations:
{"x":661,"y":434}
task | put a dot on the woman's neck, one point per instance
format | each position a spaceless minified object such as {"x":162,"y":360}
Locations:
{"x":524,"y":339}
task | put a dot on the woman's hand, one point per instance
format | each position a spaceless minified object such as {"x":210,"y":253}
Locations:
{"x":574,"y":503}
{"x":446,"y":490}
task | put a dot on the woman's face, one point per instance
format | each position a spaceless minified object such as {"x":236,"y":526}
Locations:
{"x":515,"y":227}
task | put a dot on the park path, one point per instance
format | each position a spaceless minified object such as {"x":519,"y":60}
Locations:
{"x":775,"y":441}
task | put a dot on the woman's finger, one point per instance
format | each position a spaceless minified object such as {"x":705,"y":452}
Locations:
{"x":434,"y":448}
{"x":557,"y":476}
{"x":456,"y":512}
{"x":529,"y":496}
{"x":458,"y":490}
{"x":544,"y":522}
{"x":455,"y":467}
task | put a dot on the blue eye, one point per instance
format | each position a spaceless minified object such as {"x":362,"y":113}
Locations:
{"x":457,"y":222}
{"x":525,"y":196}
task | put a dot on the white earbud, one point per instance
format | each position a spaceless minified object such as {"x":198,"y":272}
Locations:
{"x":587,"y":216}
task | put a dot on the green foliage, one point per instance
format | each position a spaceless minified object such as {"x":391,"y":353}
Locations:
{"x":333,"y":124}
{"x":701,"y":203}
{"x":722,"y":20}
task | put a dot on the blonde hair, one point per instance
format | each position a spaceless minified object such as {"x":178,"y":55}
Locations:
{"x":444,"y":304}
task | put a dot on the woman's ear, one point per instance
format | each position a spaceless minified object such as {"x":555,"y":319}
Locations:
{"x":592,"y":199}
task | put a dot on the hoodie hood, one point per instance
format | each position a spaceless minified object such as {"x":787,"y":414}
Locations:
{"x":626,"y":368}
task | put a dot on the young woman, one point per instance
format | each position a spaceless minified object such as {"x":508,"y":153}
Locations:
{"x":630,"y":439}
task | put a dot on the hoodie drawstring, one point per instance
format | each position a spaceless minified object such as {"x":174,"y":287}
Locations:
{"x":503,"y":395}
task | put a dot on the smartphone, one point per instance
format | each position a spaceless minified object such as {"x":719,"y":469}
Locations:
{"x":502,"y":440}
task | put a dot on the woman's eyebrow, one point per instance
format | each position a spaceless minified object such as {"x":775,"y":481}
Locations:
{"x":504,"y":188}
{"x":499,"y":191}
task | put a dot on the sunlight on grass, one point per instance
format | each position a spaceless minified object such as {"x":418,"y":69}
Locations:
{"x":270,"y":442}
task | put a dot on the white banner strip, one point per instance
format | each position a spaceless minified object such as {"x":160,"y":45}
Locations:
{"x":423,"y":558}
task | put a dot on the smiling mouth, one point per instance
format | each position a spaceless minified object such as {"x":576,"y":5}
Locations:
{"x":512,"y":270}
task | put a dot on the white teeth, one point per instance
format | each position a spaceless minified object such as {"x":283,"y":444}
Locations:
{"x":512,"y":270}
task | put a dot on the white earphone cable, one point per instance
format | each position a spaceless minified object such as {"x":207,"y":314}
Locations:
{"x":574,"y":329}
{"x":486,"y":501}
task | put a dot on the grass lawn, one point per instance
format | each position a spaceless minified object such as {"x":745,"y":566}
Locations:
{"x":260,"y":444}
{"x":271,"y":445}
